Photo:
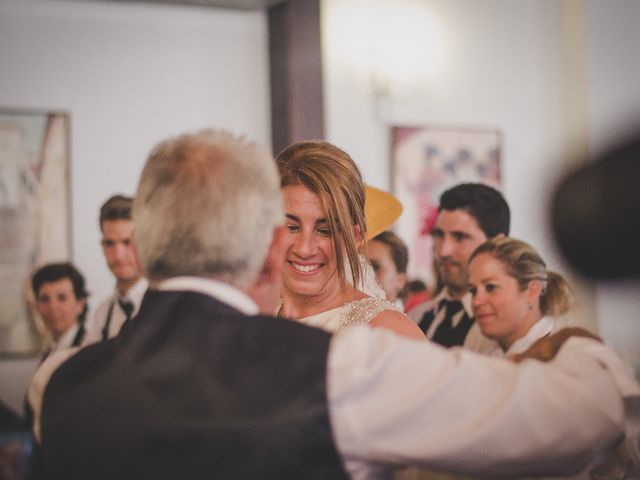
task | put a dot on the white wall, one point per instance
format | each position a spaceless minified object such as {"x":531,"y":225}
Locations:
{"x":501,"y":68}
{"x":614,"y":112}
{"x":129,"y":75}
{"x":523,"y":66}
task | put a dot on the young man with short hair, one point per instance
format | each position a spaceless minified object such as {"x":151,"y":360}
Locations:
{"x":121,"y":257}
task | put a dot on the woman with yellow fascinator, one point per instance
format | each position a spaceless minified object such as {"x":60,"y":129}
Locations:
{"x":326,"y":283}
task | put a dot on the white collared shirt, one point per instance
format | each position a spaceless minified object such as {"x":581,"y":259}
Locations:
{"x":543,"y":327}
{"x":65,"y":341}
{"x":110,"y":308}
{"x":400,"y":401}
{"x":213,"y":288}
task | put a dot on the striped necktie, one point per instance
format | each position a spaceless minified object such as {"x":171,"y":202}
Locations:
{"x":446,"y":334}
{"x":127,"y":308}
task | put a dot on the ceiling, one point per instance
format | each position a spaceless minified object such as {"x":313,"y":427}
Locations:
{"x":236,"y":4}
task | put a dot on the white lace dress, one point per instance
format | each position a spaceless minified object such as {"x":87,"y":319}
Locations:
{"x":352,"y":313}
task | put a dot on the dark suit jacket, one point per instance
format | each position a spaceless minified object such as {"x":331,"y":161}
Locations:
{"x":193,"y":389}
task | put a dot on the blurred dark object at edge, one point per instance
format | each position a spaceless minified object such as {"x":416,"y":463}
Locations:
{"x":16,"y":447}
{"x":596,"y":214}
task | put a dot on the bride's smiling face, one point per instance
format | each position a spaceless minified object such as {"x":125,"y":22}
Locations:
{"x":311,"y":267}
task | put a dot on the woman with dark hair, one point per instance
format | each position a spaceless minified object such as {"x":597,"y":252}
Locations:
{"x":60,"y":294}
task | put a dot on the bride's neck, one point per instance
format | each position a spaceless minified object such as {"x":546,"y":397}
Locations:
{"x":300,"y":306}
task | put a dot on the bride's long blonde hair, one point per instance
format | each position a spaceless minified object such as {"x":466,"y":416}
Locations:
{"x":333,"y":176}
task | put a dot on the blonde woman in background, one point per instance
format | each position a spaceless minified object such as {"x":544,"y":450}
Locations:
{"x":516,"y":300}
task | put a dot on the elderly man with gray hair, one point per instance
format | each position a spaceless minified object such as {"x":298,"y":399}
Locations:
{"x":203,"y":386}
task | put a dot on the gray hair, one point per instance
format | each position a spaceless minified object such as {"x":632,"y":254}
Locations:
{"x":206,"y":206}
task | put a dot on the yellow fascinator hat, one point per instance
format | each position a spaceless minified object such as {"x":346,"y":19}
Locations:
{"x":381,"y":210}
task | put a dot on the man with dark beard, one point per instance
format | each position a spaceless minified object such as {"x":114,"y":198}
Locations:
{"x":468,"y":215}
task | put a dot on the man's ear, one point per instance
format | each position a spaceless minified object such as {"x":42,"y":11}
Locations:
{"x":80,"y":307}
{"x":274,"y":262}
{"x":137,"y":256}
{"x":266,"y":289}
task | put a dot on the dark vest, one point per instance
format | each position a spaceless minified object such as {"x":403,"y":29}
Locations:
{"x":193,"y":389}
{"x":446,"y":334}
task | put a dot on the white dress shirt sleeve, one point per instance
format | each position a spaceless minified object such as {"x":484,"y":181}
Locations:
{"x":397,"y":401}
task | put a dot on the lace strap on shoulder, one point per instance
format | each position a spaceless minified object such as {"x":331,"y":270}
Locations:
{"x":365,"y":310}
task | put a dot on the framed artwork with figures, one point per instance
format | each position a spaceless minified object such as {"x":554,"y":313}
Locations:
{"x":35,"y":216}
{"x":425,"y":161}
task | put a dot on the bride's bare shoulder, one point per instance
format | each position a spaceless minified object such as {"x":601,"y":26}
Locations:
{"x":398,"y":323}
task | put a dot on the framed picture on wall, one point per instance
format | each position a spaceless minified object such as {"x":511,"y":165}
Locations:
{"x":35,"y":217}
{"x":425,"y":161}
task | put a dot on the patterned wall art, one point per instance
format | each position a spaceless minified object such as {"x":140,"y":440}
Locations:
{"x":35,"y":216}
{"x":425,"y":161}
